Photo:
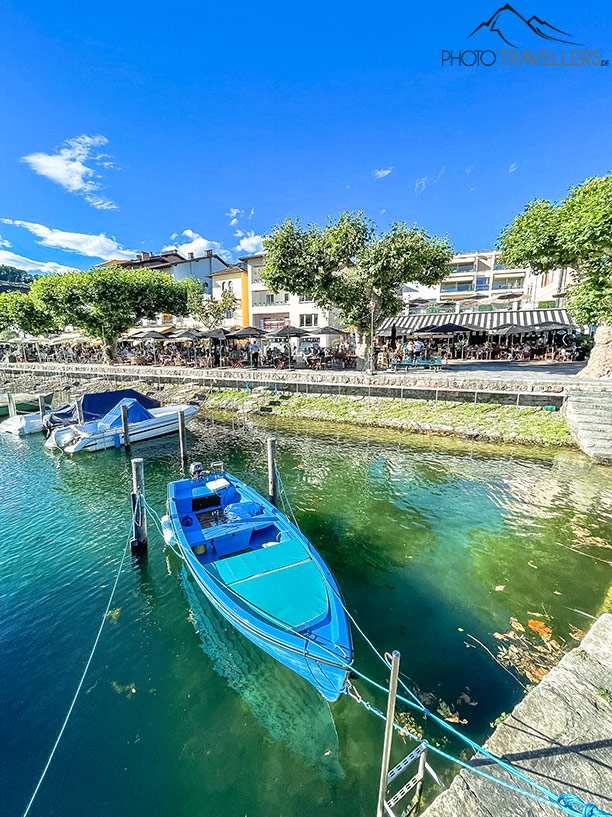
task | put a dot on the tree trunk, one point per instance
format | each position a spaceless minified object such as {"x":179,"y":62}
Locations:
{"x":110,"y":349}
{"x":600,"y":359}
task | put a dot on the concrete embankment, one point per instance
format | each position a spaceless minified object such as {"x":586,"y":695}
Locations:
{"x":560,"y":735}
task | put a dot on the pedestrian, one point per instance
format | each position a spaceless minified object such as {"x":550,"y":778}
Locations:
{"x":255,"y":354}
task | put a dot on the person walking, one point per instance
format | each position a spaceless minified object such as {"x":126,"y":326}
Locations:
{"x":255,"y":354}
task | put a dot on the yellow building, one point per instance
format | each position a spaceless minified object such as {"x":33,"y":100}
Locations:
{"x":235,"y":280}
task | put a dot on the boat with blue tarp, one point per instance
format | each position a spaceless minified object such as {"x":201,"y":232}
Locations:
{"x":107,"y":432}
{"x":262,"y":574}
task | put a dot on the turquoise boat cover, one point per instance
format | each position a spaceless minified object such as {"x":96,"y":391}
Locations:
{"x":281,"y":580}
{"x":136,"y":414}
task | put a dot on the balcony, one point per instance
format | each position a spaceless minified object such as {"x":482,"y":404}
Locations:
{"x":270,"y":299}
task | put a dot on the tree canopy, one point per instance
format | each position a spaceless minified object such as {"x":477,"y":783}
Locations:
{"x":348,"y":265}
{"x":19,"y":311}
{"x":575,"y":232}
{"x":210,"y":313}
{"x":13,"y":274}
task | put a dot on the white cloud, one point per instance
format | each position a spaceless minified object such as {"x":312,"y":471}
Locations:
{"x":420,"y":185}
{"x":234,"y":211}
{"x":68,"y":167}
{"x":233,"y":222}
{"x":250,"y":244}
{"x":197,"y":245}
{"x":440,"y":174}
{"x":380,"y":174}
{"x":173,"y":236}
{"x":512,"y":167}
{"x":4,"y":242}
{"x":239,"y":233}
{"x":252,"y":213}
{"x":382,"y":212}
{"x":469,"y":169}
{"x":93,"y":246}
{"x":14,"y":260}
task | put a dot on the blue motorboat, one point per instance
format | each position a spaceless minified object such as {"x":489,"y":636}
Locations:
{"x":262,"y":574}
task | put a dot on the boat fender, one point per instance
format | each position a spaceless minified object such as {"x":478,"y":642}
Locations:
{"x":167,"y":530}
{"x":117,"y":441}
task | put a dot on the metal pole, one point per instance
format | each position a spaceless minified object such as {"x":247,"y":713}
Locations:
{"x":139,"y":538}
{"x":12,"y":406}
{"x":79,"y":408}
{"x":126,"y":427}
{"x":272,"y":481}
{"x":384,"y":769}
{"x":42,"y":406}
{"x":421,"y":777}
{"x":182,"y":434}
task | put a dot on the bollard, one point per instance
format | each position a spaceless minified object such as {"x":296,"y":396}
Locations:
{"x":182,"y":434}
{"x":272,"y":481}
{"x":42,"y":407}
{"x":126,"y":427}
{"x":79,"y":408}
{"x":139,"y":533}
{"x":12,"y":406}
{"x":384,"y":769}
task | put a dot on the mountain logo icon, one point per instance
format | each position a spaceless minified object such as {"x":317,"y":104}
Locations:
{"x":515,"y":30}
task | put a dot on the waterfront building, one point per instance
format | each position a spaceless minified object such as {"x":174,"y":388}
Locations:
{"x":177,"y":265}
{"x":274,"y":310}
{"x":232,"y":279}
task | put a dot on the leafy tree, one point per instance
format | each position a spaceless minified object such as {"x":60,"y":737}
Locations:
{"x":18,"y":310}
{"x":576,"y":233}
{"x":208,"y":312}
{"x":106,"y":302}
{"x":8,"y":273}
{"x":348,"y":265}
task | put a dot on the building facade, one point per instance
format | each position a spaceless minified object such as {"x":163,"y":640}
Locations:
{"x":270,"y":310}
{"x":234,"y":280}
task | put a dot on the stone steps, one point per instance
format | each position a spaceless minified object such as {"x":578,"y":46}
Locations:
{"x":589,"y":415}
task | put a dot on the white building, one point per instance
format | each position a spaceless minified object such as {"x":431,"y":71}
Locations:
{"x":271,"y":310}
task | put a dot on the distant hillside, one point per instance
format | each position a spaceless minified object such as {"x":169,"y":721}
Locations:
{"x":15,"y":275}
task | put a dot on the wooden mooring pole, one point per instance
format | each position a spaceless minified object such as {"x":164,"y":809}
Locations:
{"x":139,"y":542}
{"x":384,"y":768}
{"x":272,"y":479}
{"x":182,"y":430}
{"x":42,"y":406}
{"x":12,"y":406}
{"x":126,"y":427}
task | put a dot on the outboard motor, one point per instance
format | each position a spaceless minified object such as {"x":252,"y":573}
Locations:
{"x":196,"y":471}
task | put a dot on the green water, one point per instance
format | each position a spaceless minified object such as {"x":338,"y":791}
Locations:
{"x":181,"y":715}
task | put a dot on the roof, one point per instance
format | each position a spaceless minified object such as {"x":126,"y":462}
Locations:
{"x":484,"y":321}
{"x":250,"y":257}
{"x":161,"y":261}
{"x":228,"y":271}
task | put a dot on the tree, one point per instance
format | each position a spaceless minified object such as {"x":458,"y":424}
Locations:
{"x":18,"y":310}
{"x":8,"y":273}
{"x":576,"y":233}
{"x":106,"y":302}
{"x":210,"y":313}
{"x":347,"y":265}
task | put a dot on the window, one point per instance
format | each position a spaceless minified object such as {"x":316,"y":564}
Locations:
{"x":311,"y":319}
{"x":229,"y":314}
{"x":508,"y":283}
{"x":462,"y":267}
{"x":305,"y":299}
{"x":457,"y":286}
{"x":256,"y":274}
{"x":264,"y":298}
{"x":482,"y":283}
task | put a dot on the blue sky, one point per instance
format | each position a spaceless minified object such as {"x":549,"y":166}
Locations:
{"x":133,"y":126}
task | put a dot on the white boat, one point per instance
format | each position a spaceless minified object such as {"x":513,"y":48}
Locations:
{"x":97,"y":435}
{"x":22,"y":424}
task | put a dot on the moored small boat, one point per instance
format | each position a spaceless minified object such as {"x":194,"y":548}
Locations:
{"x":23,"y":403}
{"x":143,"y":424}
{"x":262,"y":574}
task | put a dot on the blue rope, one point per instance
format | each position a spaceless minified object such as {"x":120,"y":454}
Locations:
{"x":569,"y":803}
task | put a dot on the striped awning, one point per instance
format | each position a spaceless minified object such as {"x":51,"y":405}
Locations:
{"x":479,"y":321}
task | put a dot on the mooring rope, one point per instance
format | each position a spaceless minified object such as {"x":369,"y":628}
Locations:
{"x":568,"y":803}
{"x":81,"y":682}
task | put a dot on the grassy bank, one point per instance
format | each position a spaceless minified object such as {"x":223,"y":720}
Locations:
{"x":488,"y":422}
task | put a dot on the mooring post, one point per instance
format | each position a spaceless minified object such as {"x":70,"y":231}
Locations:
{"x":79,"y":408}
{"x":42,"y":406}
{"x":126,"y":427}
{"x":384,"y":768}
{"x":272,"y":480}
{"x":420,"y":778}
{"x":182,"y":430}
{"x":139,"y":533}
{"x":12,"y":406}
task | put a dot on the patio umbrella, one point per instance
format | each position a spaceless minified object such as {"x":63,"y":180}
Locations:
{"x":419,"y":301}
{"x":512,"y":329}
{"x":216,"y":334}
{"x":447,"y":329}
{"x":328,"y":330}
{"x":247,"y":332}
{"x":150,"y":335}
{"x":552,"y":326}
{"x":288,"y":332}
{"x":509,"y":296}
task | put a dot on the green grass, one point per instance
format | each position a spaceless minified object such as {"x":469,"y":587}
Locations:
{"x":488,"y":421}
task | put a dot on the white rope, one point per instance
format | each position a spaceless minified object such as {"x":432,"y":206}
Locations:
{"x":78,"y":689}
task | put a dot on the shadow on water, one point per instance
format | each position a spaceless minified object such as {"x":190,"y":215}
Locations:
{"x":291,"y":711}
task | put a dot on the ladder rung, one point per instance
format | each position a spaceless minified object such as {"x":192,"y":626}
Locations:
{"x":403,"y":791}
{"x":405,"y":762}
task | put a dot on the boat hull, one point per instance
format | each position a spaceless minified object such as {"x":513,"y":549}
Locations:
{"x":320,"y":651}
